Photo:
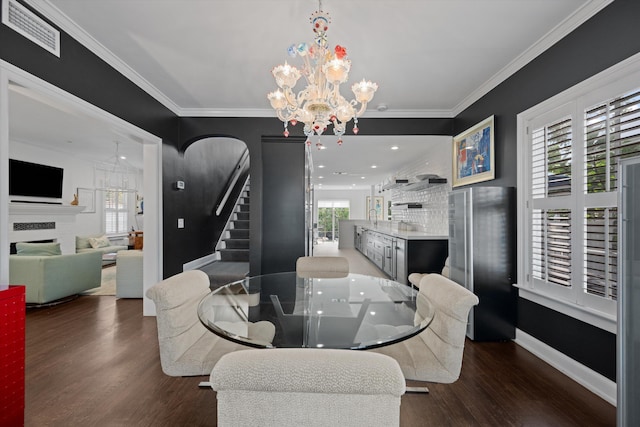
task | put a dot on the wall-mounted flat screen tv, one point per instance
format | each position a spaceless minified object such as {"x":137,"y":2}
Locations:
{"x":34,"y":180}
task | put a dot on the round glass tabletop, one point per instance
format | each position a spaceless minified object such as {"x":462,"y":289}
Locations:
{"x":286,"y":310}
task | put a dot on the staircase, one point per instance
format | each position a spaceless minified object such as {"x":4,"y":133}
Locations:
{"x":233,"y":247}
{"x":236,"y":244}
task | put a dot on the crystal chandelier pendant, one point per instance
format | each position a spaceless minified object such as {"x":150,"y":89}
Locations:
{"x":319,"y":104}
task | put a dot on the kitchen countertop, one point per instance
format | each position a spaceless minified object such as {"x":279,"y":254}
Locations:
{"x":407,"y":235}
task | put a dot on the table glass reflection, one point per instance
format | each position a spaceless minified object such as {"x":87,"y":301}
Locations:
{"x":350,"y":312}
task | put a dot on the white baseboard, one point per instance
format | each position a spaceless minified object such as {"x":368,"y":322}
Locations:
{"x":197,"y":263}
{"x":593,"y":381}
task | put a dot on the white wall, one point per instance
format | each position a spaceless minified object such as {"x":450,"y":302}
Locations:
{"x":357,"y":200}
{"x":77,"y":173}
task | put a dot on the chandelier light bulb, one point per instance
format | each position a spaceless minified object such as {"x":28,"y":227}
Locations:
{"x":319,"y":104}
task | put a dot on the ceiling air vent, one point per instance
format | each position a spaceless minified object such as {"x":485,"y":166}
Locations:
{"x":22,"y":20}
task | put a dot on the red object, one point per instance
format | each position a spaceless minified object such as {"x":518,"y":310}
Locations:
{"x":12,"y":337}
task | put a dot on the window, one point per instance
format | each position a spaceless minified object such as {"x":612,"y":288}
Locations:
{"x":329,"y":213}
{"x":569,"y":147}
{"x":115,"y":212}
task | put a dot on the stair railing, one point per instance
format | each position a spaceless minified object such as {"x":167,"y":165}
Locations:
{"x":234,"y":179}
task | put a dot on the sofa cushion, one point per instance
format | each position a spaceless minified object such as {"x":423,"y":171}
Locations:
{"x":82,"y":242}
{"x":38,"y":249}
{"x":99,"y":242}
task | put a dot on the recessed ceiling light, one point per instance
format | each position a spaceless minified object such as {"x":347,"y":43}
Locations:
{"x":320,"y":166}
{"x":394,"y":147}
{"x":320,"y":177}
{"x":373,"y":166}
{"x":362,"y":177}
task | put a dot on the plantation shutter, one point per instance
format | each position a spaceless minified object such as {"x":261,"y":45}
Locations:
{"x":551,"y":160}
{"x":115,"y":212}
{"x":612,"y":132}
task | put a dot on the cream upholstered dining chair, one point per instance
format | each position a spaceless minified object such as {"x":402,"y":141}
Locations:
{"x":307,"y":387}
{"x":414,"y":278}
{"x":322,"y":266}
{"x":187,"y":348}
{"x":435,"y":354}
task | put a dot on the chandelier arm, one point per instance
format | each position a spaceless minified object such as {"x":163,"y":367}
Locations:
{"x":362,"y":109}
{"x":291,"y":99}
{"x":282,"y":117}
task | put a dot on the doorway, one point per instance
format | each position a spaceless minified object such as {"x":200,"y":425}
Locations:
{"x":69,"y":106}
{"x":330,"y":212}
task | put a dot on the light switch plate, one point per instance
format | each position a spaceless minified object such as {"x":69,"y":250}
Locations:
{"x":180,"y":222}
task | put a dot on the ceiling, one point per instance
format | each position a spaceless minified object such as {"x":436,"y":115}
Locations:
{"x":430,"y":58}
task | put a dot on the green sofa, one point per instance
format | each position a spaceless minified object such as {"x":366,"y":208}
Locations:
{"x":83,"y":244}
{"x":49,"y":278}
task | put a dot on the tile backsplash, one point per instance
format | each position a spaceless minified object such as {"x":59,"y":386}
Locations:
{"x":432,"y":217}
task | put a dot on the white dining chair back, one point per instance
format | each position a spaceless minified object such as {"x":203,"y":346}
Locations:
{"x":322,"y":266}
{"x":307,"y":387}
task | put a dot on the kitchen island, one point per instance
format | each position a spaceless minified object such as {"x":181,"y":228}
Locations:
{"x":399,"y":253}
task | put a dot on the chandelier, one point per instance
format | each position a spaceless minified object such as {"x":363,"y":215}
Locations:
{"x":116,"y":174}
{"x":320,"y":103}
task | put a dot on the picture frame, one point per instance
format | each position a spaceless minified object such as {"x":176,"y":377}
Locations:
{"x":474,"y":154}
{"x":378,"y":205}
{"x":87,"y":198}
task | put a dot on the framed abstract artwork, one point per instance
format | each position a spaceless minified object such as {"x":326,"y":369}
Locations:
{"x":473,"y":154}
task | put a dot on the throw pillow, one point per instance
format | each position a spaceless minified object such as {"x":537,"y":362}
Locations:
{"x":99,"y":242}
{"x":38,"y":249}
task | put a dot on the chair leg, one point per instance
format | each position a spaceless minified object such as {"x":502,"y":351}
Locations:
{"x":417,"y":390}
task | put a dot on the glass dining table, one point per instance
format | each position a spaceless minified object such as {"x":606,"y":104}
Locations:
{"x":279,"y":310}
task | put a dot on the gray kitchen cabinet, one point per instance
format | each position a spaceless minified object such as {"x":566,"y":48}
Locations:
{"x":398,"y":256}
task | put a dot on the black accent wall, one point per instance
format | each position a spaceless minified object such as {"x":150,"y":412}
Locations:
{"x":283,"y":198}
{"x":606,"y":39}
{"x":609,"y":37}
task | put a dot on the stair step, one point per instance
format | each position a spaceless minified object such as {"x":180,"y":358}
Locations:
{"x":243,"y":208}
{"x":236,"y":243}
{"x":243,"y":216}
{"x":239,"y":224}
{"x":240,"y":255}
{"x":239,"y":233}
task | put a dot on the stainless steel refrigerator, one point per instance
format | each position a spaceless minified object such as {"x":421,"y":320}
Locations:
{"x":482,"y":257}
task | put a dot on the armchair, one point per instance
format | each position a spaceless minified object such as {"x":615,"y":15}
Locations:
{"x":187,"y":348}
{"x":435,"y":355}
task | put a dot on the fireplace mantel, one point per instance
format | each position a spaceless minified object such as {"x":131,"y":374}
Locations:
{"x":43,"y":209}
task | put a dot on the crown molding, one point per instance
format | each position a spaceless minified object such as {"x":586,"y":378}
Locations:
{"x":556,"y":34}
{"x":266,"y":112}
{"x":54,"y":14}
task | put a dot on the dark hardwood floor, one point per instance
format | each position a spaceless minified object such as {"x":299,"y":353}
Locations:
{"x":94,"y":362}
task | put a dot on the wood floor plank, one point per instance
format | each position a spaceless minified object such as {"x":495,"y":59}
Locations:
{"x":94,"y":361}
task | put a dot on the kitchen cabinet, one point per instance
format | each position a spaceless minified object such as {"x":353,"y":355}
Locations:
{"x":399,"y":254}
